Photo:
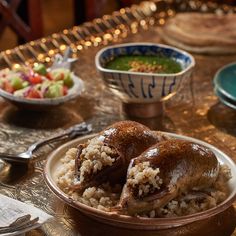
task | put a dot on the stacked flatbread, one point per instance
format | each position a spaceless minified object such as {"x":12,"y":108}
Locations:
{"x":201,"y":33}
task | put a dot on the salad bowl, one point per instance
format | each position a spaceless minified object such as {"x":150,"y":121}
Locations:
{"x":35,"y":96}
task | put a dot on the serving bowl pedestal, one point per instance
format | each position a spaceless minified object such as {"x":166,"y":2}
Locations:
{"x":143,"y":110}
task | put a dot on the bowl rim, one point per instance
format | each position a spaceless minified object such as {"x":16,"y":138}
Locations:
{"x":217,"y":82}
{"x":160,"y":223}
{"x":101,"y":68}
{"x":73,"y":92}
{"x":225,"y":100}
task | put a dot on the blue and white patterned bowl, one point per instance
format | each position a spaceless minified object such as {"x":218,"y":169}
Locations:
{"x":137,"y":87}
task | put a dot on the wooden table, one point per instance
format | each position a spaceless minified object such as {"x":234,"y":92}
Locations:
{"x":195,"y":111}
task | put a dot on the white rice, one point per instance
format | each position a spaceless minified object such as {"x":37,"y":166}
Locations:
{"x":103,"y":197}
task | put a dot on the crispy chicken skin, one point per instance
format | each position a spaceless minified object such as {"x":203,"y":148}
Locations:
{"x":128,"y":139}
{"x":183,"y":166}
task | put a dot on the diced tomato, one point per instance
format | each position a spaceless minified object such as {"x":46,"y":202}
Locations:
{"x":49,"y":76}
{"x":65,"y":90}
{"x":36,"y":79}
{"x":33,"y":93}
{"x":8,"y":87}
{"x":61,"y":76}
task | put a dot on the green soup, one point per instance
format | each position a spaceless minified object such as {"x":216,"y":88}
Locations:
{"x":145,"y":64}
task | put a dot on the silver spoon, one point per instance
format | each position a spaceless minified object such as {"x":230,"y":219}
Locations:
{"x":72,"y":132}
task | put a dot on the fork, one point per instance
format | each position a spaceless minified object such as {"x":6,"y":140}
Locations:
{"x":21,"y":223}
{"x":70,"y":133}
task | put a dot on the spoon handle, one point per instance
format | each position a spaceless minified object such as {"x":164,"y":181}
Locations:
{"x":13,"y":158}
{"x":70,"y":133}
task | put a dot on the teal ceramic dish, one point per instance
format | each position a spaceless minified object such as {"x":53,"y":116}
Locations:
{"x":225,"y":100}
{"x":225,"y":82}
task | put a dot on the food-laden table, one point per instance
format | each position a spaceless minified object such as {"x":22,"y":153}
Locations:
{"x":195,"y":111}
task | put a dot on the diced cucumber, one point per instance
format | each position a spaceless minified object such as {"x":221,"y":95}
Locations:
{"x":63,"y":74}
{"x":54,"y":90}
{"x":16,"y":83}
{"x":68,"y":81}
{"x":40,"y":69}
{"x":25,"y":84}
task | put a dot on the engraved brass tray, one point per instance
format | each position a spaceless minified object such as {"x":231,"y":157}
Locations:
{"x":195,"y":111}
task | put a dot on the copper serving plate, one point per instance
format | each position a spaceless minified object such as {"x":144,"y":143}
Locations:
{"x":158,"y":224}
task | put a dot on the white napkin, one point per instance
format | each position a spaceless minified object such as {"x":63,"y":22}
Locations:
{"x":11,"y":209}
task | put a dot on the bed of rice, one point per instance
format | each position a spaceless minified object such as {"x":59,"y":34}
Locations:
{"x":103,"y":197}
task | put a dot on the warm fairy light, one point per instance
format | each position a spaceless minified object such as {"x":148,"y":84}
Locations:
{"x":87,"y":43}
{"x":170,"y":12}
{"x":21,"y":47}
{"x":47,"y":59}
{"x":8,"y":52}
{"x":153,"y":7}
{"x":62,"y":47}
{"x":15,"y":66}
{"x":123,"y":30}
{"x":122,"y":26}
{"x":51,"y":52}
{"x":122,"y":11}
{"x":79,"y":47}
{"x":134,"y":27}
{"x":117,"y":31}
{"x":43,"y":40}
{"x":32,"y":43}
{"x":161,"y":21}
{"x":40,"y":57}
{"x":36,"y":64}
{"x":65,"y":31}
{"x":106,"y":17}
{"x":97,"y":21}
{"x":142,"y":22}
{"x":107,"y":36}
{"x":74,"y":49}
{"x":98,"y":39}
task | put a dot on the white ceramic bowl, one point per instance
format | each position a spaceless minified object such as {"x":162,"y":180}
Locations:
{"x":136,"y":87}
{"x":45,"y":103}
{"x":53,"y":163}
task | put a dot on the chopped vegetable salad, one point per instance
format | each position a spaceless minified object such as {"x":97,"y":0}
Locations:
{"x":37,"y":82}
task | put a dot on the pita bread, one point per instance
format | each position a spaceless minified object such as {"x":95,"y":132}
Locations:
{"x":201,"y":33}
